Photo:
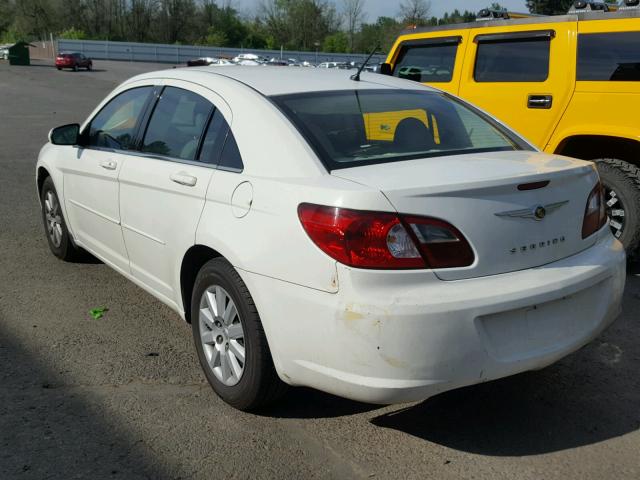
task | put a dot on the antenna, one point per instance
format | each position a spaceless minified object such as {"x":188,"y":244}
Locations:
{"x":356,"y":77}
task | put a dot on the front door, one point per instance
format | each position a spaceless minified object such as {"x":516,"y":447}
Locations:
{"x":90,"y":177}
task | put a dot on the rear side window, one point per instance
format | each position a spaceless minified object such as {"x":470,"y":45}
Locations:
{"x":177,"y":124}
{"x":515,"y":60}
{"x":609,"y":57}
{"x":230,"y":158}
{"x":214,"y":139}
{"x":428,"y":62}
{"x":116,"y":124}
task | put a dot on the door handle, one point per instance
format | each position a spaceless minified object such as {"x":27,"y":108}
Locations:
{"x":109,"y":164}
{"x":184,"y":179}
{"x":540,"y":101}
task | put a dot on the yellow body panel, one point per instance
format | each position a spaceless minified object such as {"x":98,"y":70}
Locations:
{"x":578,"y":108}
{"x":382,"y":125}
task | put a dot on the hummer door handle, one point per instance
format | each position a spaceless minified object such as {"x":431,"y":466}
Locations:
{"x":540,"y":101}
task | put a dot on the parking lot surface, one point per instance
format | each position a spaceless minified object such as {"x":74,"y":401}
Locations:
{"x":124,"y":396}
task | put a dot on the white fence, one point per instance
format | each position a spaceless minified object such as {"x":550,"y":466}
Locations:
{"x":177,"y":54}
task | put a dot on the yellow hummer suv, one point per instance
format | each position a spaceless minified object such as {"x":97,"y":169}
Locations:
{"x":570,"y":84}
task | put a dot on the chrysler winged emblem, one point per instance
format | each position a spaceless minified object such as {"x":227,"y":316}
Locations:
{"x":534,"y":213}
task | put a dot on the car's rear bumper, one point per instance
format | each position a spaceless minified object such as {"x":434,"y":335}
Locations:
{"x":403,"y":336}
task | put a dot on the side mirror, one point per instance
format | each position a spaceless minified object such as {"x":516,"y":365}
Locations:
{"x":385,"y":69}
{"x":65,"y":135}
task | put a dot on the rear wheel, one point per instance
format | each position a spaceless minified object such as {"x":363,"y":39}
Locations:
{"x":621,"y":181}
{"x":54,"y":224}
{"x":59,"y":68}
{"x":230,"y":342}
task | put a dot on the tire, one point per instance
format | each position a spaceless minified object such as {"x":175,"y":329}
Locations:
{"x":75,"y":68}
{"x":55,"y":226}
{"x":59,"y":68}
{"x":258,"y":383}
{"x":623,"y":179}
{"x":89,"y":67}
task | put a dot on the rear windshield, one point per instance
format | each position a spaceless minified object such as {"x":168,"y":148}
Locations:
{"x":349,"y":128}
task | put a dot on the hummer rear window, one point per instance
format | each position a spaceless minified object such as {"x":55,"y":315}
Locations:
{"x":611,"y":57}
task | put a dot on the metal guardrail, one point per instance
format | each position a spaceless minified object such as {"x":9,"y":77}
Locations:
{"x":179,"y":54}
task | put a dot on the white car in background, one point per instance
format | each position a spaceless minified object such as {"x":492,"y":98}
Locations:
{"x":376,"y":239}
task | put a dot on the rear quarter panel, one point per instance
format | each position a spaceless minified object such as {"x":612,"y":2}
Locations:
{"x":601,"y":108}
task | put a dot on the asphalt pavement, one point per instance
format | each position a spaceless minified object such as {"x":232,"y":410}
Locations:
{"x":124,"y":396}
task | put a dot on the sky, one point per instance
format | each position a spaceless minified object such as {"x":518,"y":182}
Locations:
{"x":389,"y":8}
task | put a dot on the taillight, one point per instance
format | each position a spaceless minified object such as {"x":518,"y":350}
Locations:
{"x":384,"y":240}
{"x":595,"y":214}
{"x":441,"y":244}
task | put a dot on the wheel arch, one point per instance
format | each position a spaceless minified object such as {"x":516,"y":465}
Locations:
{"x":592,"y":147}
{"x":192,"y":261}
{"x":41,"y":176}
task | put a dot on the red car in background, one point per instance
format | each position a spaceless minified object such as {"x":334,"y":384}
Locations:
{"x":73,"y":60}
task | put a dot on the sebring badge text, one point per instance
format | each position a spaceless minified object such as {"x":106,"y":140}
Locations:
{"x":539,"y":245}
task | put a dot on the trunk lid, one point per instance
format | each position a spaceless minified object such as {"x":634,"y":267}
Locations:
{"x":479,"y":195}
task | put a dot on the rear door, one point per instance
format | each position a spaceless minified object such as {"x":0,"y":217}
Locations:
{"x":434,"y":59}
{"x":523,"y":75}
{"x":163,"y":188}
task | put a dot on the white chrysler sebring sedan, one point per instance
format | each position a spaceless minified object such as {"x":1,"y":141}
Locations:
{"x":373,"y":238}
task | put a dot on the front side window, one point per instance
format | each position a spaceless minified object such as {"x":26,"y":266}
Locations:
{"x":609,"y":57}
{"x":427,"y":62}
{"x":351,"y":128}
{"x":515,"y":60}
{"x":177,"y":124}
{"x":116,"y":124}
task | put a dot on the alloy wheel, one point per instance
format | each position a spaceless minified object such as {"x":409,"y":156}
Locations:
{"x":615,"y":212}
{"x":53,"y":218}
{"x":222,"y":335}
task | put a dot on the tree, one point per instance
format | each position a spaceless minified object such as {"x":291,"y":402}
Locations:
{"x":383,"y":33}
{"x":549,"y":7}
{"x":415,"y":12}
{"x":336,"y":43}
{"x":299,"y":24}
{"x":354,"y":16}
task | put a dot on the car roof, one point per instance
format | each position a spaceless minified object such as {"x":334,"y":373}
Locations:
{"x":277,"y":81}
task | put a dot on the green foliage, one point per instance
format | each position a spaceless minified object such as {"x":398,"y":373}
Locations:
{"x":291,"y":24}
{"x":73,"y":34}
{"x":9,"y":36}
{"x":454,"y":17}
{"x":299,"y":24}
{"x":336,"y":43}
{"x":214,"y":38}
{"x":383,"y":33}
{"x":549,"y":7}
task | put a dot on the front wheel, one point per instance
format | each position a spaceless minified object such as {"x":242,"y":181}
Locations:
{"x":621,"y":181}
{"x":230,"y":341}
{"x":55,"y":226}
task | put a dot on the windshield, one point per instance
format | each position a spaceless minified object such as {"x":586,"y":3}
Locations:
{"x":350,"y":128}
